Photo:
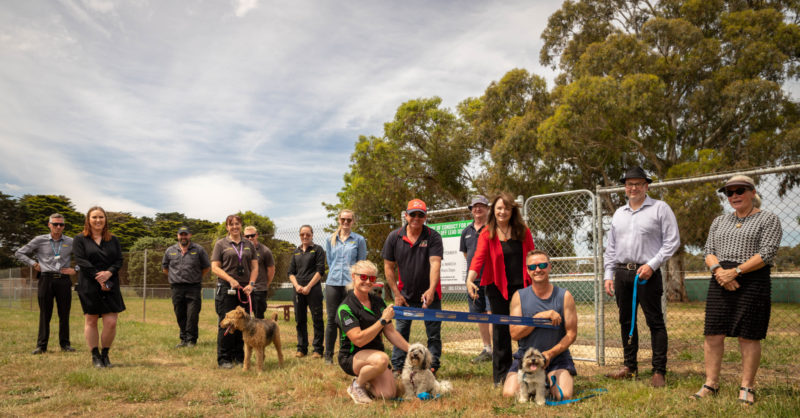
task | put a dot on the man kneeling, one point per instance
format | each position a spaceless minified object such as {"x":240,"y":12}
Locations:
{"x":543,"y":300}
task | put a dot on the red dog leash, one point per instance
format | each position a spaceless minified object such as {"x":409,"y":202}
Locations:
{"x":249,"y":303}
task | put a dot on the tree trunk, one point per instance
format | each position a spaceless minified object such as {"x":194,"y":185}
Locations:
{"x":673,"y":273}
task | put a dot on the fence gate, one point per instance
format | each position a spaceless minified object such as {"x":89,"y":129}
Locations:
{"x":564,"y":225}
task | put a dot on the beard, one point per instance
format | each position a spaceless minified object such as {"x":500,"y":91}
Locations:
{"x":184,"y":241}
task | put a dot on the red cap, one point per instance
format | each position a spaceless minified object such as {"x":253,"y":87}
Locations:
{"x":416,"y":205}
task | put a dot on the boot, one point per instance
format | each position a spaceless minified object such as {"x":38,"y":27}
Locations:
{"x":104,"y":357}
{"x":97,"y":360}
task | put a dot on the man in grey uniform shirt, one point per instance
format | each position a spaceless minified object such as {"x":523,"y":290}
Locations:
{"x":53,"y":252}
{"x":266,"y":272}
{"x":185,"y":264}
{"x":643,"y":236}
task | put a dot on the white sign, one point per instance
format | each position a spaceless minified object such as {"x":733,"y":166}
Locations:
{"x":454,"y":265}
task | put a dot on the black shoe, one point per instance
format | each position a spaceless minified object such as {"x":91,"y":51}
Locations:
{"x":190,"y":344}
{"x":104,"y":357}
{"x":97,"y":359}
{"x":39,"y":350}
{"x":226,"y":365}
{"x":67,"y":348}
{"x":328,"y":359}
{"x":181,"y":344}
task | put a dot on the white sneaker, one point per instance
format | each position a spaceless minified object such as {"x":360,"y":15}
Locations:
{"x":358,"y":393}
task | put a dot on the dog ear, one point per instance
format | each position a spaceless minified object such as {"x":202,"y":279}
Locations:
{"x":428,"y":360}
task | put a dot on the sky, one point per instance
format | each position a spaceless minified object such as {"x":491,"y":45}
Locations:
{"x":212,"y":107}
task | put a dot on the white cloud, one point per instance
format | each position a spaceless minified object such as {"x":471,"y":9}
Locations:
{"x":11,"y":187}
{"x":245,"y":6}
{"x":213,"y":196}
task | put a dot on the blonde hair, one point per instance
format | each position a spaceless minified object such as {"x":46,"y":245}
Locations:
{"x":364,"y":265}
{"x":339,"y":228}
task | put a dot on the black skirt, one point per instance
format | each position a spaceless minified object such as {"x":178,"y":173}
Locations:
{"x":95,"y":301}
{"x":743,"y":312}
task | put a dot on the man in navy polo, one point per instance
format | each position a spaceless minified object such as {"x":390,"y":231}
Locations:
{"x":412,"y":259}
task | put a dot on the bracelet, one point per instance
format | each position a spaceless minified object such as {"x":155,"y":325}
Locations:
{"x":711,"y":269}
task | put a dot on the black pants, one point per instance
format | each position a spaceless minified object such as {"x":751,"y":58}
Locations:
{"x":187,"y":300}
{"x":230,"y":348}
{"x":649,"y":298}
{"x":433,"y":331}
{"x":334,"y":295}
{"x":502,"y":351}
{"x":259,"y":299}
{"x":58,"y":287}
{"x":312,"y":301}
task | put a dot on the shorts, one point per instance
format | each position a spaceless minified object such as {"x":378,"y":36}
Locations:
{"x":560,"y":362}
{"x":481,"y":303}
{"x":346,"y":363}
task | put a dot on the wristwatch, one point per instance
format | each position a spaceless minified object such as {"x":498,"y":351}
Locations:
{"x":252,"y":284}
{"x":384,"y":322}
{"x":715,"y":266}
{"x":738,"y":271}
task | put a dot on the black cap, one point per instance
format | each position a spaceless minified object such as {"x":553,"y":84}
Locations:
{"x":635,"y":172}
{"x":184,"y":230}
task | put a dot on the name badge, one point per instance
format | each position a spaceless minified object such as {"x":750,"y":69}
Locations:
{"x":58,"y":257}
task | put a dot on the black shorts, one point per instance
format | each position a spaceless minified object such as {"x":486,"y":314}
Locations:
{"x":346,"y":363}
{"x":560,"y":362}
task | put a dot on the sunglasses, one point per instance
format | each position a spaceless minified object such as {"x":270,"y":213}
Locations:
{"x":346,"y":220}
{"x":59,"y":224}
{"x":306,"y":235}
{"x":416,"y":215}
{"x":532,"y":267}
{"x":740,"y":191}
{"x":250,"y":235}
{"x":365,"y":277}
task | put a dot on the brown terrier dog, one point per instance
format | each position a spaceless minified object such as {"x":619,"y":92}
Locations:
{"x":257,"y":334}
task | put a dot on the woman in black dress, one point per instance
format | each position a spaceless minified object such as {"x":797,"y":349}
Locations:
{"x":739,"y":251}
{"x":99,"y":257}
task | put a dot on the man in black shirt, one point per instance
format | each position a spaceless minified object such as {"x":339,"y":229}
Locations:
{"x":413,"y":254}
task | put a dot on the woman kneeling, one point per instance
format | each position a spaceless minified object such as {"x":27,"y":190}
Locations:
{"x":362,"y":317}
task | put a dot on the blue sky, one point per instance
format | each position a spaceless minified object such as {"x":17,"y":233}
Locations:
{"x":210,"y":107}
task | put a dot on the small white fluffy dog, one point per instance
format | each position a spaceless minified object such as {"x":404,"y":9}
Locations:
{"x":417,"y":377}
{"x":532,"y":377}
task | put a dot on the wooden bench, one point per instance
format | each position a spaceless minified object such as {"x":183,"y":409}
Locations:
{"x":287,"y":311}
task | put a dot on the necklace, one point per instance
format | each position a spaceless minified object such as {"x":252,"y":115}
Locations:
{"x":741,"y":220}
{"x":505,"y":233}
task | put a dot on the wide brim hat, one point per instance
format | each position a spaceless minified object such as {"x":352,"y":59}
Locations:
{"x":738,"y":180}
{"x":635,"y":172}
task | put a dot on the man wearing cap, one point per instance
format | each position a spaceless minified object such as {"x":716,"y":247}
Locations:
{"x":412,"y":259}
{"x":53,"y":252}
{"x":185,"y":264}
{"x":643,"y":235}
{"x":478,"y":302}
{"x":266,"y":272}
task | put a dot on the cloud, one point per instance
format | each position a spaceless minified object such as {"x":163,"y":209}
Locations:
{"x":244,"y":6}
{"x":213,"y":196}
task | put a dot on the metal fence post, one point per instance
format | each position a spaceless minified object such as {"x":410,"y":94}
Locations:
{"x":144,"y":287}
{"x":30,"y":293}
{"x":600,"y":270}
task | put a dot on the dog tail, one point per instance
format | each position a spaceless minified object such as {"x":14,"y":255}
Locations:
{"x":445,"y":386}
{"x":275,"y":316}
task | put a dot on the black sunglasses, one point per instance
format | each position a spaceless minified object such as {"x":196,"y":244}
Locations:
{"x":250,"y":235}
{"x":416,"y":215}
{"x":739,"y":191}
{"x":57,"y":223}
{"x":346,"y":220}
{"x":532,"y":267}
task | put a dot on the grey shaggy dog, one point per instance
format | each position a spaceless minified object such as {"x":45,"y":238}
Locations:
{"x":532,"y":377}
{"x":417,"y":377}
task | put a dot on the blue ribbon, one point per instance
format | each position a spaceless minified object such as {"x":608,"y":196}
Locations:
{"x":566,"y":401}
{"x":636,"y":284}
{"x":409,"y":313}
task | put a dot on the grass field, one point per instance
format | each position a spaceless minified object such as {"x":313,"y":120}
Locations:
{"x":152,"y":378}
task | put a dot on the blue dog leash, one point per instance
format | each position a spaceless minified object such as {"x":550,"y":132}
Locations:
{"x":636,"y":284}
{"x":410,"y":313}
{"x":592,"y":394}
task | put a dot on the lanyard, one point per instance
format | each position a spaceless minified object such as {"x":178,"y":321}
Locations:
{"x":56,"y":253}
{"x":239,"y":251}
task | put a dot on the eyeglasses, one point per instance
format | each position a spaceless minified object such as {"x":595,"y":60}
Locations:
{"x":639,"y":184}
{"x":532,"y":267}
{"x":57,"y":224}
{"x":303,"y":235}
{"x":740,"y":191}
{"x":249,"y":235}
{"x":416,"y":215}
{"x":345,"y":220}
{"x":365,"y":277}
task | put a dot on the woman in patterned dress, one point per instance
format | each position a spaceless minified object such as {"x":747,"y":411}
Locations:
{"x":739,"y":252}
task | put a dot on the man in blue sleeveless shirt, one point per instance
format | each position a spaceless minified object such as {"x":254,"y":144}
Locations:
{"x":543,"y":300}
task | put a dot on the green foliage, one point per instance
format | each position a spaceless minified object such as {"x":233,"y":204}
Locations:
{"x":155,"y":247}
{"x":38,"y":208}
{"x":126,"y":227}
{"x":12,"y":234}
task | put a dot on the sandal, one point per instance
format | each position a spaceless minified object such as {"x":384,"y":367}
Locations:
{"x":713,"y":391}
{"x":744,"y":399}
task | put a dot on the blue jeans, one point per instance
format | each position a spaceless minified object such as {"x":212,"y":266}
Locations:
{"x":433,"y":329}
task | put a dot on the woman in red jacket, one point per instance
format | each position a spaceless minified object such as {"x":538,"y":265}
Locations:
{"x":501,"y":254}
